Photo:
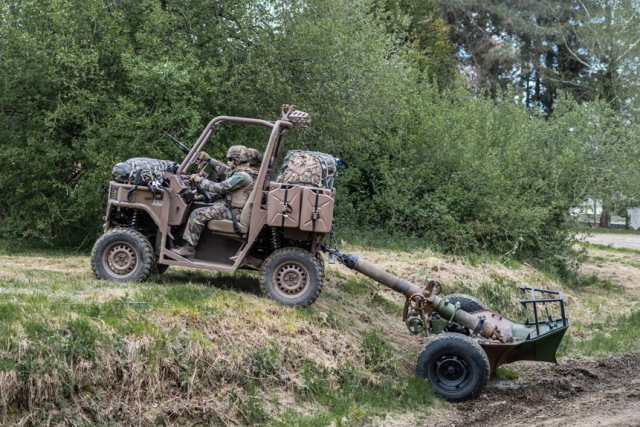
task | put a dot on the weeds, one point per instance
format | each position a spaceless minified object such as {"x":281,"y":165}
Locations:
{"x":70,"y":344}
{"x":378,"y":355}
{"x":614,"y":336}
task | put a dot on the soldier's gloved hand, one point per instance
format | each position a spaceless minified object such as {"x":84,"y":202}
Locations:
{"x":195,"y":178}
{"x":203,"y":156}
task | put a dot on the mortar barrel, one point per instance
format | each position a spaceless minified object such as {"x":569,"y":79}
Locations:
{"x":387,"y":279}
{"x":440,"y":305}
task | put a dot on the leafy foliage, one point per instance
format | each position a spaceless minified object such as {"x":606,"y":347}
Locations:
{"x":86,"y":84}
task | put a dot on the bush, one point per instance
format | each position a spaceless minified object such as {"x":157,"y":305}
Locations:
{"x":86,"y":84}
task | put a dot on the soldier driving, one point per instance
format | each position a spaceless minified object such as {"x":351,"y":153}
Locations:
{"x":240,"y":178}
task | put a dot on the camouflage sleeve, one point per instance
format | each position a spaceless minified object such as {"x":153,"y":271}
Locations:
{"x":218,"y":167}
{"x":234,"y":182}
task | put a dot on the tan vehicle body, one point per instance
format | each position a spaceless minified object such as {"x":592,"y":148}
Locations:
{"x":289,"y":215}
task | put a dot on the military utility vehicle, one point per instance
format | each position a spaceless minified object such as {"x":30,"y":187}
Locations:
{"x":279,"y":231}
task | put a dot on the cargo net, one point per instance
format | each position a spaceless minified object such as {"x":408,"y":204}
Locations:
{"x":308,"y":168}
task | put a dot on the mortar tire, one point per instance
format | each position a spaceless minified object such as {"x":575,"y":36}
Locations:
{"x":292,"y":276}
{"x":125,"y":248}
{"x":467,"y":302}
{"x":455,"y":365}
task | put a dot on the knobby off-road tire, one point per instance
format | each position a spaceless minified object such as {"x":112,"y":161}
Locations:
{"x":292,"y":276}
{"x":467,"y":302}
{"x":455,"y":365}
{"x":123,"y":255}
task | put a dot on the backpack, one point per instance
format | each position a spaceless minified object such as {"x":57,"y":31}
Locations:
{"x":308,"y":168}
{"x":142,"y":170}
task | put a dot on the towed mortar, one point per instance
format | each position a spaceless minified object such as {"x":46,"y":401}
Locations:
{"x":468,"y":340}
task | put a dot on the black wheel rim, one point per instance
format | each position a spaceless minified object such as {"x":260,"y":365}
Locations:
{"x":451,"y":372}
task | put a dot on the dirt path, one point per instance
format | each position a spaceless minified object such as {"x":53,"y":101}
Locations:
{"x":581,"y":393}
{"x":631,"y":241}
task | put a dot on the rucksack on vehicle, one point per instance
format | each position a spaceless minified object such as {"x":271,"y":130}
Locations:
{"x":142,"y":170}
{"x":309,"y":168}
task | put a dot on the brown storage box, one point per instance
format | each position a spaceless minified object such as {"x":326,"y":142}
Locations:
{"x":283,"y":205}
{"x":316,"y":213}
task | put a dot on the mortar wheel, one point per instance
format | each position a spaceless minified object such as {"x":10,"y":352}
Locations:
{"x":455,"y":365}
{"x":467,"y":302}
{"x":123,"y":255}
{"x":292,"y":276}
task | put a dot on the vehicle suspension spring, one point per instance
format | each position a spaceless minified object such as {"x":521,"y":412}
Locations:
{"x":275,"y":239}
{"x":134,"y":219}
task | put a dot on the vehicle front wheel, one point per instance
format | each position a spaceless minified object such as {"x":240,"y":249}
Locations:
{"x":123,"y":255}
{"x":455,"y":365}
{"x":292,"y":276}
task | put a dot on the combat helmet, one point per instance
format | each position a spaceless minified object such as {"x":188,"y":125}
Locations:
{"x":238,"y":153}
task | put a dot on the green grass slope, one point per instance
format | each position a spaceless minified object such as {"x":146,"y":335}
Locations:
{"x":199,"y":348}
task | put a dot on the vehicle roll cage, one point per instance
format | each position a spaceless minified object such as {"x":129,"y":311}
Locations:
{"x":291,"y":119}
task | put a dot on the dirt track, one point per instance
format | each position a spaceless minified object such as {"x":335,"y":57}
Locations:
{"x":585,"y":393}
{"x":631,"y":241}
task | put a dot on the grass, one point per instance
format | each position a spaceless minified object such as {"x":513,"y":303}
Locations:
{"x":380,"y":239}
{"x":206,"y":342}
{"x":193,"y":346}
{"x":614,"y":336}
{"x":596,"y":230}
{"x":609,"y":248}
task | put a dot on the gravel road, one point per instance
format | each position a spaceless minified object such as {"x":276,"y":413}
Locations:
{"x":631,"y":241}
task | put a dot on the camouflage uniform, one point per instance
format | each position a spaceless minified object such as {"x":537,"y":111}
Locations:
{"x":236,"y":187}
{"x":220,"y":168}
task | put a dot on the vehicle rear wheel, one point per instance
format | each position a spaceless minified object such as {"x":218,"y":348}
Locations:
{"x":292,"y":276}
{"x":123,"y":255}
{"x":467,"y":302}
{"x":455,"y":365}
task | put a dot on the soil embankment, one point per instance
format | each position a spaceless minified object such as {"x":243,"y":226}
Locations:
{"x":582,"y":393}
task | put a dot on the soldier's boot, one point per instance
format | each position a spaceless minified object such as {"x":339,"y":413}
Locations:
{"x":185,"y":251}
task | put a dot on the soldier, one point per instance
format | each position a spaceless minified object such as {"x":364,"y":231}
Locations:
{"x":237,"y":186}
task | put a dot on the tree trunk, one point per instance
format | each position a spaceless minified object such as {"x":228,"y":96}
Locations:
{"x":605,"y":218}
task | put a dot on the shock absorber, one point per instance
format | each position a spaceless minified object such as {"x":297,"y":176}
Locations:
{"x":275,"y":239}
{"x":133,"y":223}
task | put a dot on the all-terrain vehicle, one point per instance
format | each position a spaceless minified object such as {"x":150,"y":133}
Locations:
{"x":279,"y":231}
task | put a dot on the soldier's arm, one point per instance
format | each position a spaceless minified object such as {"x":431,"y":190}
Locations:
{"x":218,"y":167}
{"x":234,"y":182}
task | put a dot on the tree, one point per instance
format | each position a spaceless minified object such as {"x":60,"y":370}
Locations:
{"x":519,"y":43}
{"x":418,"y":25}
{"x":609,"y":38}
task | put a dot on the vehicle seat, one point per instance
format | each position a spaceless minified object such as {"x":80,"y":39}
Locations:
{"x":226,"y":225}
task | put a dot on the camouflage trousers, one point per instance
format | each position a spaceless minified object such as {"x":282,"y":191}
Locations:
{"x":199,"y":218}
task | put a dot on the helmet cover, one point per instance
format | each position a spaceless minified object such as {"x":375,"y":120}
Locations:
{"x":238,"y":153}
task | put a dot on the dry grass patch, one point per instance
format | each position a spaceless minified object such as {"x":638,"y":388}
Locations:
{"x":200,"y":347}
